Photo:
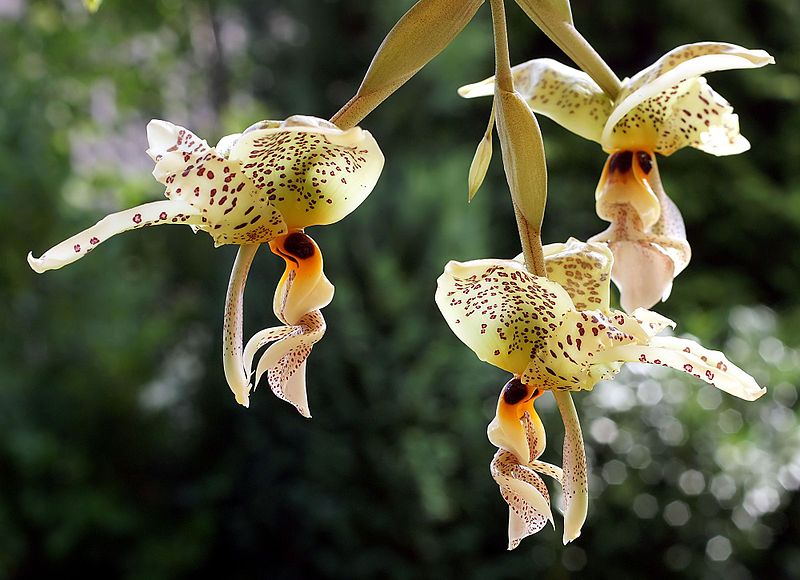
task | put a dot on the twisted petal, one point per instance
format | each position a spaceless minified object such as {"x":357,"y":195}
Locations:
{"x":499,"y":310}
{"x":568,"y":96}
{"x":310,"y":170}
{"x":688,"y":356}
{"x":516,"y":426}
{"x":575,"y":477}
{"x":666,"y":106}
{"x":233,"y":210}
{"x":150,"y":214}
{"x":285,"y":360}
{"x":526,"y":495}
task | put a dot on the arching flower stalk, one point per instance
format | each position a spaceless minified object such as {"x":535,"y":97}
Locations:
{"x":265,"y":185}
{"x":663,"y":108}
{"x":559,"y":334}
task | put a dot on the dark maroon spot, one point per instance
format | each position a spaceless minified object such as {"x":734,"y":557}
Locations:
{"x":137,"y":219}
{"x":162,"y":215}
{"x":94,"y":241}
{"x":620,"y":162}
{"x":515,"y":391}
{"x":299,"y":245}
{"x":645,"y":161}
{"x":77,"y":248}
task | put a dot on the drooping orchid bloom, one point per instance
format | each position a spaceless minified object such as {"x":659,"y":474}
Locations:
{"x":663,"y":108}
{"x":559,"y":334}
{"x":265,"y":185}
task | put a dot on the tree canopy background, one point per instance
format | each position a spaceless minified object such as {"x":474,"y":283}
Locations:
{"x":122,"y":451}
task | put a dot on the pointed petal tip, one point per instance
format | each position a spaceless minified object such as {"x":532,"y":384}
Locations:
{"x":37,"y":264}
{"x":570,"y":537}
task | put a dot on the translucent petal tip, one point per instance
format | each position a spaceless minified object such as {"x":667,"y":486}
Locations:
{"x":37,"y":264}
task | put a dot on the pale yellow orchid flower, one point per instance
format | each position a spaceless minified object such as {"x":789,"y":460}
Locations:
{"x":663,"y":108}
{"x":559,"y":334}
{"x":265,"y":185}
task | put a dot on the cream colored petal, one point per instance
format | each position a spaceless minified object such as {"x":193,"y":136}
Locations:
{"x":642,"y":273}
{"x":651,"y":322}
{"x":236,"y":373}
{"x":575,"y":483}
{"x":312,"y":172}
{"x":568,"y":96}
{"x":688,"y":356}
{"x":661,"y":83}
{"x":150,"y":214}
{"x":284,"y":361}
{"x":583,"y":270}
{"x":499,"y":310}
{"x":526,"y":495}
{"x":233,"y":210}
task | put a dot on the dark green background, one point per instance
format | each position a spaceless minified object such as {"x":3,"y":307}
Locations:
{"x":122,"y":452}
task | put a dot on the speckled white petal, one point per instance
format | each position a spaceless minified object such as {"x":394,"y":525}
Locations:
{"x":568,"y":96}
{"x":575,"y":480}
{"x":583,"y":270}
{"x":665,"y":79}
{"x":313,"y":172}
{"x":499,"y":310}
{"x":150,"y":214}
{"x":233,"y":210}
{"x":688,"y":356}
{"x":284,"y":361}
{"x":526,"y":495}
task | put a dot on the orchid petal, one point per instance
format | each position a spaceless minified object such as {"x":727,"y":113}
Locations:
{"x":526,"y":495}
{"x":149,"y":214}
{"x":311,"y":171}
{"x":688,"y":356}
{"x":583,"y":270}
{"x":233,"y":210}
{"x":652,"y":95}
{"x":568,"y":96}
{"x":575,"y":479}
{"x":303,"y":286}
{"x":516,"y":426}
{"x":499,"y":310}
{"x":284,"y":361}
{"x":235,"y":371}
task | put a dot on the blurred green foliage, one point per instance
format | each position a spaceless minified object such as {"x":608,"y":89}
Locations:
{"x":122,"y":452}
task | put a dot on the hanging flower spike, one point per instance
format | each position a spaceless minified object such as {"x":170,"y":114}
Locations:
{"x":665,"y":107}
{"x":264,"y":185}
{"x":531,"y":327}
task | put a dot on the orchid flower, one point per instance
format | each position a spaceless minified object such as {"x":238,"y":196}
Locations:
{"x":265,"y":185}
{"x":559,"y":334}
{"x":663,"y":108}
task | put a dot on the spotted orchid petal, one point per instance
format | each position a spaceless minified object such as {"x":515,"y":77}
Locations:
{"x":690,"y":357}
{"x":499,"y":310}
{"x":233,"y":210}
{"x":583,"y":270}
{"x":284,"y":361}
{"x":150,"y":214}
{"x":575,"y":477}
{"x":649,"y":254}
{"x":668,"y":105}
{"x":568,"y":96}
{"x":310,"y":170}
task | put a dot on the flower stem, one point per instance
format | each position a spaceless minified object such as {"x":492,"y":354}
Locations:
{"x":530,"y":237}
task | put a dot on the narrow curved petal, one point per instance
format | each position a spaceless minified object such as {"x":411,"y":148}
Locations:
{"x":284,"y":361}
{"x":236,"y":373}
{"x":311,"y":171}
{"x":499,"y":310}
{"x":150,"y":214}
{"x":303,"y":286}
{"x":653,"y":93}
{"x":526,"y":495}
{"x":689,"y":357}
{"x":575,"y":481}
{"x":233,"y":210}
{"x":583,"y":270}
{"x":568,"y":96}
